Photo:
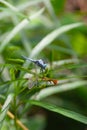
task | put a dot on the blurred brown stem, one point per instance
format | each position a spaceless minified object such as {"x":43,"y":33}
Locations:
{"x":17,"y":121}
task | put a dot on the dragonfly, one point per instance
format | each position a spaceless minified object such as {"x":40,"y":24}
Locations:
{"x":42,"y":65}
{"x":39,"y":62}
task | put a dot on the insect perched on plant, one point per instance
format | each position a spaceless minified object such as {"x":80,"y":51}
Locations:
{"x":55,"y":81}
{"x":39,"y":62}
{"x":42,"y":65}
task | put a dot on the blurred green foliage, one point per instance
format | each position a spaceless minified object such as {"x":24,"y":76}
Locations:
{"x":58,"y":6}
{"x":45,"y":30}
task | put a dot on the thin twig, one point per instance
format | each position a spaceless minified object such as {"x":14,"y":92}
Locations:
{"x":17,"y":121}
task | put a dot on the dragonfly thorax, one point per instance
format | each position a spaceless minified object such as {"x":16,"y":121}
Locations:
{"x":41,"y":63}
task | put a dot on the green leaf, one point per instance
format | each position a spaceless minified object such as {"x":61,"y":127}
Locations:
{"x":12,"y":81}
{"x":17,"y":29}
{"x":60,"y":88}
{"x":58,"y":5}
{"x":65,"y":112}
{"x":15,"y":61}
{"x":52,"y":36}
{"x":5,"y":108}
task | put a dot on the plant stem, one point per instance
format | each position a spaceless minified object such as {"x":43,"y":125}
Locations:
{"x":20,"y":124}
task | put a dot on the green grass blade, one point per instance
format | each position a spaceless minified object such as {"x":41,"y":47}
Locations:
{"x":68,"y":113}
{"x":50,"y":37}
{"x":27,"y":4}
{"x":60,"y":88}
{"x":18,"y":28}
{"x":9,"y":5}
{"x":5,"y":108}
{"x":15,"y":61}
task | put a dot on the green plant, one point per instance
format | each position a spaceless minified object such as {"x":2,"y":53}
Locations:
{"x":22,"y":85}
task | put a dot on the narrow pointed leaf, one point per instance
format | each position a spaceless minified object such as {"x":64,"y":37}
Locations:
{"x":5,"y":108}
{"x":60,"y":88}
{"x":51,"y":36}
{"x":65,"y":112}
